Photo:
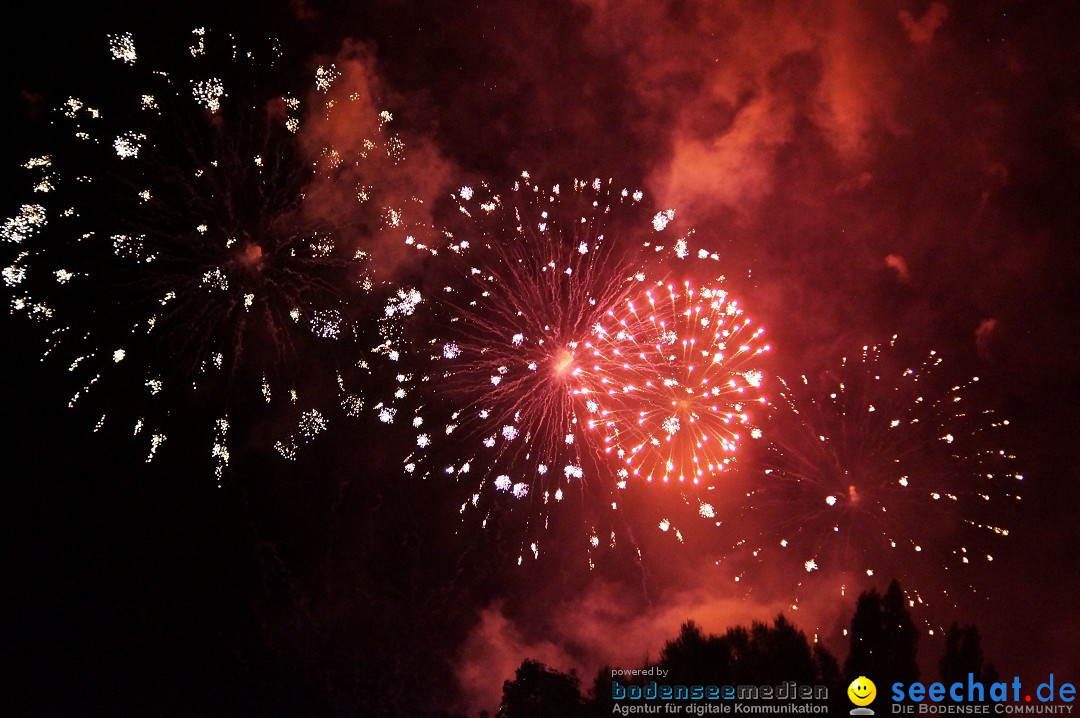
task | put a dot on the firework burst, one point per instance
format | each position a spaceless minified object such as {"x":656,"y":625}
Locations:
{"x":546,"y":385}
{"x":876,"y":470}
{"x":490,"y":397}
{"x":678,"y":374}
{"x":173,"y":245}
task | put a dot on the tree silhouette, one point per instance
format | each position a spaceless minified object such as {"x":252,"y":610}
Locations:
{"x":540,"y":692}
{"x":601,"y":702}
{"x":778,"y":653}
{"x":884,"y":646}
{"x":884,"y":641}
{"x":691,"y":657}
{"x":828,"y":670}
{"x":761,"y":655}
{"x":962,"y":656}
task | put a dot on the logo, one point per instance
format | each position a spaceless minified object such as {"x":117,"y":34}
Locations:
{"x":862,"y":693}
{"x":977,"y":697}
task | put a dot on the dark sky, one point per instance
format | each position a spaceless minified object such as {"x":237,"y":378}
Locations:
{"x":861,"y":169}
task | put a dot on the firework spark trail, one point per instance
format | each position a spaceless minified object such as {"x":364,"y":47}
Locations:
{"x":678,"y":374}
{"x":876,"y":471}
{"x":173,"y":246}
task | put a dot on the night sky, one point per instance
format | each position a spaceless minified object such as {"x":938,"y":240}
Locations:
{"x":860,"y":170}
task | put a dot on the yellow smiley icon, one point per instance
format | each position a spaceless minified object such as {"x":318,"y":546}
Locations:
{"x":862,"y":691}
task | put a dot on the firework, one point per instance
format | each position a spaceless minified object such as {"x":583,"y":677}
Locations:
{"x":515,"y":295}
{"x":540,"y":384}
{"x":673,"y":378}
{"x":179,"y":240}
{"x":876,"y":470}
